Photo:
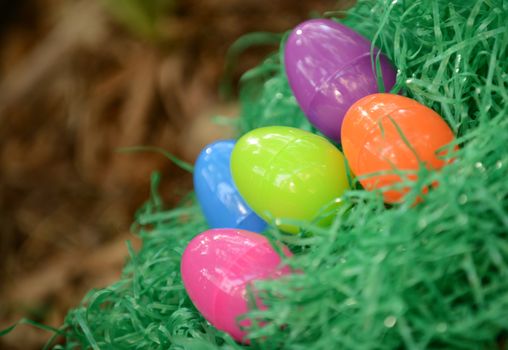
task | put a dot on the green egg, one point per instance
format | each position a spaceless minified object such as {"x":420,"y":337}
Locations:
{"x":288,"y":173}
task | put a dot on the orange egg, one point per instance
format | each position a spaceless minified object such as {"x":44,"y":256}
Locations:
{"x":386,"y":133}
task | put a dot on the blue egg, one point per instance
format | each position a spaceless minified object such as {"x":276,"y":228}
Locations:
{"x":217,"y":194}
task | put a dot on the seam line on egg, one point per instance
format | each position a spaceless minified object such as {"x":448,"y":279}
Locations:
{"x":263,"y":179}
{"x":337,"y":72}
{"x":216,"y":312}
{"x":269,"y":172}
{"x":378,"y":121}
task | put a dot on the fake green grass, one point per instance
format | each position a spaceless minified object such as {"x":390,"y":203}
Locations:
{"x":434,"y":275}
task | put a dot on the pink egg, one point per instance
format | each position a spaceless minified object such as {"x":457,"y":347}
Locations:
{"x":216,"y":267}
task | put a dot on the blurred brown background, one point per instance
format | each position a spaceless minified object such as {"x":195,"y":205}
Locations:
{"x":78,"y":80}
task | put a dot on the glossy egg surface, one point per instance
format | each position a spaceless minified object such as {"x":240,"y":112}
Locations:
{"x":383,"y":132}
{"x":329,"y":67}
{"x":284,"y":172}
{"x":218,"y":197}
{"x":216,"y":267}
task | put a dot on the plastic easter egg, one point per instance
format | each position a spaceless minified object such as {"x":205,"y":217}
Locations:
{"x":386,"y":132}
{"x":216,"y":268}
{"x":329,"y":67}
{"x":283,"y":172}
{"x":218,"y":197}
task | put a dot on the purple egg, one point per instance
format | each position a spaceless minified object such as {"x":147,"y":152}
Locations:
{"x":329,"y":67}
